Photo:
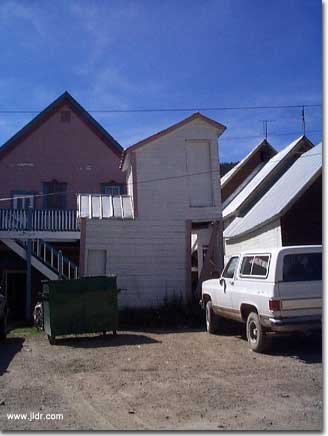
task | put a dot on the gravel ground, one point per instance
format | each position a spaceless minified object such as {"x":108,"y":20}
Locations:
{"x":161,"y":380}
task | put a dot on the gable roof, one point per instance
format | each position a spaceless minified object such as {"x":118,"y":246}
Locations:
{"x":282,"y":194}
{"x":240,"y":164}
{"x":44,"y":115}
{"x":196,"y":115}
{"x":273,"y":164}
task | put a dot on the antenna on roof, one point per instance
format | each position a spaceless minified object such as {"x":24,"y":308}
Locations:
{"x":303,"y":120}
{"x":265,"y":127}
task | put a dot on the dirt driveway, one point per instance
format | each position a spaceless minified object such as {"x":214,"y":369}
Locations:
{"x":161,"y":380}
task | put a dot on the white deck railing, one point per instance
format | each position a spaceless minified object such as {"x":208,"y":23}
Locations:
{"x":55,"y":220}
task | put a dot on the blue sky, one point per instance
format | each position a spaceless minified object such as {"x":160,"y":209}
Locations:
{"x":125,"y":54}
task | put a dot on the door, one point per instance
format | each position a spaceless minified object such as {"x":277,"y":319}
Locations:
{"x":200,"y":176}
{"x":223,"y":296}
{"x":96,"y":262}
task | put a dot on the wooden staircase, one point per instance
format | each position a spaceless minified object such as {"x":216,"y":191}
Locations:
{"x":45,"y":258}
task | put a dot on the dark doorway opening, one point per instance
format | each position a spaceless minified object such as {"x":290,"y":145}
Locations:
{"x":15,"y":286}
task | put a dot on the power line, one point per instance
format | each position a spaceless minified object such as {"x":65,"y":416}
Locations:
{"x":225,"y":138}
{"x":182,"y":109}
{"x":141,"y":182}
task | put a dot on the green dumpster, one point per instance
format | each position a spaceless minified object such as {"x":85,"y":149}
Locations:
{"x":87,"y":305}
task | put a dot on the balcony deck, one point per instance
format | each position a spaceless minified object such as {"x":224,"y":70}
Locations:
{"x":48,"y":224}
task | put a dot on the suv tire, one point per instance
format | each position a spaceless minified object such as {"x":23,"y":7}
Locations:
{"x":255,"y":334}
{"x":212,"y":320}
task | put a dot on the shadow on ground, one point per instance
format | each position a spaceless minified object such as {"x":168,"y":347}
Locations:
{"x":308,"y":349}
{"x":8,"y":349}
{"x":100,"y":341}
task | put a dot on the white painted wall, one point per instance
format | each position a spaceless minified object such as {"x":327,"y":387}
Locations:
{"x":164,"y":162}
{"x":268,"y":236}
{"x":148,"y":254}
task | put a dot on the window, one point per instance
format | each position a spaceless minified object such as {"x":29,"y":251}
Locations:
{"x":302,"y":267}
{"x":246,"y":266}
{"x":260,"y":266}
{"x":111,"y":189}
{"x":229,"y":270}
{"x":55,"y":195}
{"x":22,"y":200}
{"x":255,"y":266}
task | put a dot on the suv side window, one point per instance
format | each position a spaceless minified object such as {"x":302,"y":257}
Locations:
{"x":246,"y":266}
{"x":229,"y":270}
{"x":255,"y":266}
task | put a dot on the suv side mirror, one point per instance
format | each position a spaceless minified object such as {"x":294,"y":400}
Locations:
{"x":223,"y":284}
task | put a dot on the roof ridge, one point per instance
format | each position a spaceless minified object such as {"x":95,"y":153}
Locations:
{"x":14,"y":140}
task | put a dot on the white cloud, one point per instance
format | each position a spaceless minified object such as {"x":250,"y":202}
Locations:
{"x":11,"y":11}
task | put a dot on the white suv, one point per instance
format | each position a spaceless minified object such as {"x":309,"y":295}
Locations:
{"x":274,"y":290}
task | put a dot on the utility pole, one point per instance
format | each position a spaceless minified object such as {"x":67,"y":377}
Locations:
{"x":28,"y":307}
{"x":265,"y":127}
{"x":303,"y":120}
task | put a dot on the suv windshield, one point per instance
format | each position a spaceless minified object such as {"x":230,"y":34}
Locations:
{"x":302,"y":267}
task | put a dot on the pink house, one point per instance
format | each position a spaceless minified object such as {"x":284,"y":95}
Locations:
{"x":61,"y":152}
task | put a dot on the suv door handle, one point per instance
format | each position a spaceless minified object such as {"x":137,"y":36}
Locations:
{"x":232,"y":283}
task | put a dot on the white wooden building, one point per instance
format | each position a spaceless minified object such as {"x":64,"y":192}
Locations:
{"x":172,"y":189}
{"x":239,"y":205}
{"x":290,"y":213}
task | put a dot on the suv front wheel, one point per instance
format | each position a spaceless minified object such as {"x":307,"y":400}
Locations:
{"x":256,"y":336}
{"x":211,"y":318}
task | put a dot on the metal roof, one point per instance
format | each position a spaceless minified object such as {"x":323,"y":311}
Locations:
{"x":291,"y":184}
{"x":99,"y":206}
{"x":233,"y":170}
{"x":268,"y":168}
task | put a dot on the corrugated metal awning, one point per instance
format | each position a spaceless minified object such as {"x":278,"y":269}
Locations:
{"x":100,"y":206}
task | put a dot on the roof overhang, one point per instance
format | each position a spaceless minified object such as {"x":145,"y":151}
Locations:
{"x":220,"y":129}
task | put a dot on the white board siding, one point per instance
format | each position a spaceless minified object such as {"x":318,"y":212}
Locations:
{"x":148,"y":258}
{"x":268,"y":236}
{"x":164,"y":182}
{"x":148,"y":254}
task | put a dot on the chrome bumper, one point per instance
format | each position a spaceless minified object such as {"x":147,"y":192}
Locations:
{"x":294,"y":324}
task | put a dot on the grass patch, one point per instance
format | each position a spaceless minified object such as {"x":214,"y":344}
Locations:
{"x":24,"y":331}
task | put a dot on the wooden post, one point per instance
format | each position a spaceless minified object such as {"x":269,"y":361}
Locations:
{"x":28,"y":306}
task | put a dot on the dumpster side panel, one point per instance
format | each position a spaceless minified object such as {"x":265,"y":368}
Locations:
{"x":87,"y":305}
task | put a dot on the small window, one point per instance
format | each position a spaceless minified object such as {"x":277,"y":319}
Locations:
{"x":246,"y":266}
{"x":302,"y":267}
{"x":255,"y":266}
{"x":22,"y":200}
{"x":229,"y":270}
{"x":260,"y":266}
{"x":111,"y":189}
{"x":65,"y":116}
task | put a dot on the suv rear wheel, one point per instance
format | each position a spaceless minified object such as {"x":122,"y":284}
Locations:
{"x":256,"y":337}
